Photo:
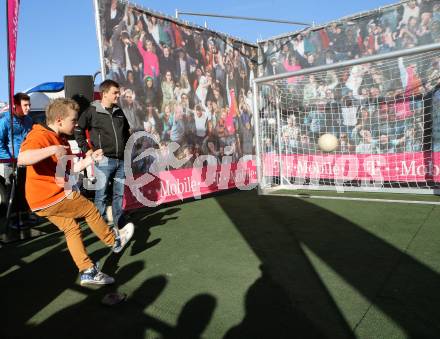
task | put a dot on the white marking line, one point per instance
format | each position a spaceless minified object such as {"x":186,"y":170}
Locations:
{"x":359,"y":199}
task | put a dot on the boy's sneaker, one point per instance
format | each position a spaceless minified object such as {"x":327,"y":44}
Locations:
{"x":123,"y":236}
{"x":93,"y":276}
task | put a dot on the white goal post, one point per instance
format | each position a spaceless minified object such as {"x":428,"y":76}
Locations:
{"x":384,"y":111}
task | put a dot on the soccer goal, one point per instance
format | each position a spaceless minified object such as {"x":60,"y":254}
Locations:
{"x":370,"y":124}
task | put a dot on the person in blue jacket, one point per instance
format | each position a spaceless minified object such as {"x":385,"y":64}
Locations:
{"x":22,"y":124}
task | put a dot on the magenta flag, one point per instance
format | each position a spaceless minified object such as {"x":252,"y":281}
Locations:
{"x":12,"y":26}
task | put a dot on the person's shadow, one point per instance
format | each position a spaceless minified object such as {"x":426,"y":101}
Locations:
{"x":40,"y":281}
{"x":128,"y":319}
{"x":292,"y":236}
{"x":90,"y":318}
{"x":270,"y":314}
{"x":144,"y":222}
{"x":194,"y":317}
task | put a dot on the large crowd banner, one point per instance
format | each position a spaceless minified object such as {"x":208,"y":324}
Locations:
{"x":186,"y":93}
{"x":400,"y":26}
{"x":389,"y":107}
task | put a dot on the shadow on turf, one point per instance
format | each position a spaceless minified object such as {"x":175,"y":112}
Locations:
{"x":288,"y":300}
{"x":281,"y":230}
{"x":32,"y":286}
{"x":52,"y":274}
{"x":145,"y":219}
{"x":270,"y":314}
{"x":91,"y":319}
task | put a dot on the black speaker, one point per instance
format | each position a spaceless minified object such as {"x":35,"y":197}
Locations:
{"x":80,"y":89}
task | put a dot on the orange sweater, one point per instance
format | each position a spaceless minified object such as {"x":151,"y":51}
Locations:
{"x":41,"y":188}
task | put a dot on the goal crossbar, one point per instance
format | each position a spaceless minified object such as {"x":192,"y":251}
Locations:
{"x":348,"y":63}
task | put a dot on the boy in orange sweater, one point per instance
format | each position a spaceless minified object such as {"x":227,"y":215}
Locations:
{"x":42,"y":150}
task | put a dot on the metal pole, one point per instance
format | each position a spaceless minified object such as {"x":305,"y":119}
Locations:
{"x":257,"y":139}
{"x":247,"y":18}
{"x":99,"y":36}
{"x":279,"y":123}
{"x":13,"y":181}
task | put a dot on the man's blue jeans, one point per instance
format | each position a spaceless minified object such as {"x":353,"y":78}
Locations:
{"x":105,"y":172}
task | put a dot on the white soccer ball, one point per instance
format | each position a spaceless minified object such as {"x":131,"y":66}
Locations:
{"x":327,"y":142}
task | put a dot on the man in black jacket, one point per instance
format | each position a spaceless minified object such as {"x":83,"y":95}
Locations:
{"x":109,"y":131}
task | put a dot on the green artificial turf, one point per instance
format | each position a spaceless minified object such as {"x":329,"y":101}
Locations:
{"x":239,"y":265}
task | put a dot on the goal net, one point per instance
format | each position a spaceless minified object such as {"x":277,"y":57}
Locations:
{"x":370,"y":126}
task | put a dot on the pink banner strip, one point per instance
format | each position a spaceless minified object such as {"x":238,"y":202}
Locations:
{"x":400,"y":167}
{"x":12,"y":26}
{"x":181,"y":184}
{"x":194,"y":182}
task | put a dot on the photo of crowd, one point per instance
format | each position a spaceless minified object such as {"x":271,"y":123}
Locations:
{"x":179,"y":83}
{"x":382,"y":107}
{"x":192,"y":86}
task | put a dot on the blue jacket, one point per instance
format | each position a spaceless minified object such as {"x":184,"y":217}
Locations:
{"x":22,"y":126}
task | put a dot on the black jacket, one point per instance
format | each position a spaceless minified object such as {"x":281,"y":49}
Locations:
{"x":109,"y":132}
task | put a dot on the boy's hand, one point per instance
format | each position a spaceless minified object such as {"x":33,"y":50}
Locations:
{"x":59,"y":150}
{"x":97,"y":155}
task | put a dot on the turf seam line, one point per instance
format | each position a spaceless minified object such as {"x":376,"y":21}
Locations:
{"x":293,"y":295}
{"x":361,"y":199}
{"x":389,"y":275}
